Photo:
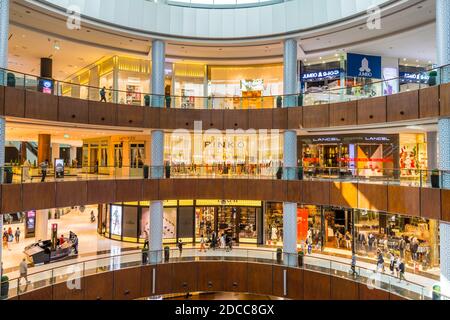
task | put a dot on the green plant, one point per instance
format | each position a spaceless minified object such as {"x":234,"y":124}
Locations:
{"x":4,"y":279}
{"x":435,"y":172}
{"x":301,"y":253}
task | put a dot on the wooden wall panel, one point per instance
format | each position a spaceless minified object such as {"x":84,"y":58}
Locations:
{"x":295,"y":118}
{"x":14,"y":102}
{"x":430,"y":204}
{"x":147,"y":281}
{"x":177,"y":189}
{"x":127,"y":284}
{"x":168,"y":118}
{"x":184,"y":277}
{"x":130,"y":116}
{"x":236,"y":279}
{"x":62,"y":292}
{"x":128,"y":190}
{"x":259,"y":189}
{"x":150,"y":189}
{"x":235,"y":189}
{"x":344,"y":289}
{"x":101,"y":191}
{"x":217,"y":120}
{"x":44,"y":294}
{"x":404,"y":200}
{"x":316,"y":116}
{"x":163,"y":279}
{"x":209,"y":189}
{"x":372,"y":197}
{"x":372,"y":294}
{"x":11,"y":198}
{"x":185,"y":118}
{"x":317,"y":286}
{"x":151,"y":117}
{"x":99,"y":286}
{"x":372,"y":110}
{"x":396,"y":297}
{"x":445,"y":205}
{"x":344,"y":194}
{"x":279,"y":190}
{"x":235,"y":119}
{"x":41,"y":106}
{"x":295,"y":284}
{"x":257,"y":272}
{"x":316,"y":192}
{"x":429,"y":102}
{"x":260,"y":118}
{"x":278,"y":281}
{"x":71,"y":193}
{"x":102,"y":113}
{"x":73,"y":110}
{"x":403,"y":106}
{"x":38,"y":196}
{"x":211,"y":276}
{"x":343,"y":114}
{"x":444,"y":95}
{"x":294,"y":191}
{"x":280,"y":118}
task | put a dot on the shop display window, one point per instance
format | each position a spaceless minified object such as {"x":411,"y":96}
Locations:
{"x":204,"y":222}
{"x":274,"y":224}
{"x":116,"y":220}
{"x":170,"y":224}
{"x":130,"y":222}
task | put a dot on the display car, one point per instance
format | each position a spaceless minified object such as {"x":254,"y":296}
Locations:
{"x":44,"y":251}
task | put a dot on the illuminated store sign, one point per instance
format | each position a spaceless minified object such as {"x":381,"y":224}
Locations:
{"x":321,"y":75}
{"x":414,"y":77}
{"x":363,"y":66}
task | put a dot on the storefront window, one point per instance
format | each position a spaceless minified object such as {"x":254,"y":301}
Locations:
{"x":137,"y":155}
{"x":118,"y":155}
{"x":170,"y":224}
{"x":274,"y":224}
{"x":116,"y":221}
{"x":130,"y":222}
{"x":204,"y":222}
{"x":413,"y":154}
{"x":248,"y":232}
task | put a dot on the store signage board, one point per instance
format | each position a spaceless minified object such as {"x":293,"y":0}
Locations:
{"x":314,"y":76}
{"x":414,"y":77}
{"x":363,"y":66}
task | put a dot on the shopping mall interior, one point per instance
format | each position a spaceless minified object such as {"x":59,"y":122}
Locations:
{"x":225,"y":149}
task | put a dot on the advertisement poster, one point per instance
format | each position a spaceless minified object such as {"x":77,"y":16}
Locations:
{"x":30,"y":223}
{"x":302,"y":224}
{"x":116,"y":220}
{"x":363,"y":66}
{"x":59,"y":168}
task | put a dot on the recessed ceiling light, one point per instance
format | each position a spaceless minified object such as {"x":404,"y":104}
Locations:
{"x":404,"y":59}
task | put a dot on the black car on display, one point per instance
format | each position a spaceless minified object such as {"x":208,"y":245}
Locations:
{"x":46,"y":251}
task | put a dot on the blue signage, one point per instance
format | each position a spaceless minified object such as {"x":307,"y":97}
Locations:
{"x":321,"y":75}
{"x":363,"y":66}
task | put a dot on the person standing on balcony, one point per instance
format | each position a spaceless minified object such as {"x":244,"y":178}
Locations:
{"x":17,"y":235}
{"x":44,"y":167}
{"x":103,"y":94}
{"x":23,"y":269}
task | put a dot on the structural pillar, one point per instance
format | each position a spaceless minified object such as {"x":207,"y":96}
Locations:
{"x":44,"y":141}
{"x":73,"y":154}
{"x":432,"y":154}
{"x":443,"y":58}
{"x":290,"y":91}
{"x":156,"y":207}
{"x":158,"y":67}
{"x":55,"y":152}
{"x":41,"y":231}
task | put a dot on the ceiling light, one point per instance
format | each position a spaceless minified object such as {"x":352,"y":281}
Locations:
{"x":56,"y":45}
{"x":66,"y":136}
{"x":404,"y":59}
{"x":320,"y":58}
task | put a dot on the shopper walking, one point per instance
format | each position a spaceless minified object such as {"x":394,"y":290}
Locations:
{"x":353,"y":265}
{"x":392,"y":262}
{"x":44,"y":168}
{"x":180,"y":247}
{"x":348,"y":240}
{"x":10,"y":240}
{"x":17,"y":235}
{"x":202,"y":244}
{"x":380,"y":261}
{"x":103,"y":94}
{"x":23,"y":269}
{"x":401,"y":270}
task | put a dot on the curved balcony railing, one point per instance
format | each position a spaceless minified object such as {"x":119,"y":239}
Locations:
{"x":406,"y":177}
{"x":66,"y":273}
{"x":222,"y":4}
{"x":313,"y":96}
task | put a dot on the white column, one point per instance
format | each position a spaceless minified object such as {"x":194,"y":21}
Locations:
{"x":443,"y":38}
{"x":290,"y":233}
{"x":158,"y":67}
{"x":156,"y":231}
{"x":290,"y":155}
{"x":41,"y":231}
{"x":290,"y":76}
{"x":73,"y":153}
{"x":157,"y":154}
{"x":432,"y":154}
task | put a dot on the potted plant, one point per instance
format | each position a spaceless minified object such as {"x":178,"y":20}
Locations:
{"x":280,"y":173}
{"x":10,"y":79}
{"x":301,"y":256}
{"x":167,"y":168}
{"x":168,"y":101}
{"x":279,"y":255}
{"x":279,"y":102}
{"x":147,"y":100}
{"x":8,"y":175}
{"x":435,"y":178}
{"x":4,"y":288}
{"x":433,"y":77}
{"x":300,"y":173}
{"x":166,"y":254}
{"x":146,"y":171}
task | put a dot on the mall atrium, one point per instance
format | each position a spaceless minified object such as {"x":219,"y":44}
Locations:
{"x":225,"y":149}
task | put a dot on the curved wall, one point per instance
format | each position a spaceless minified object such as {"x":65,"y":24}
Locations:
{"x":196,"y":23}
{"x":410,"y":201}
{"x":254,"y":278}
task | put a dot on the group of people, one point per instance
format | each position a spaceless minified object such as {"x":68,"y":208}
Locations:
{"x":396,"y":264}
{"x":225,"y":241}
{"x":9,"y":237}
